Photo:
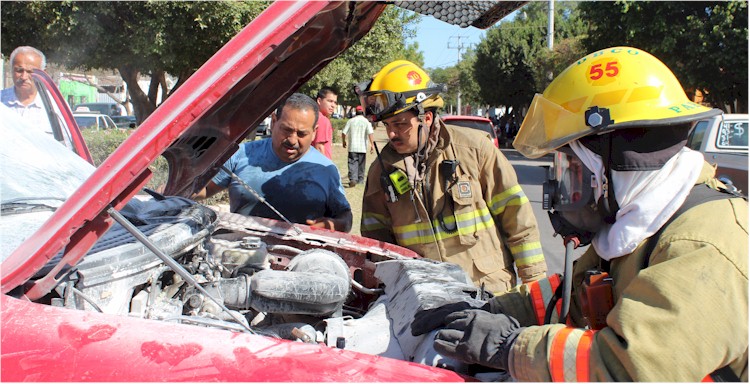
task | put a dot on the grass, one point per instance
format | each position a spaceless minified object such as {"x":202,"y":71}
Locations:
{"x":340,"y":157}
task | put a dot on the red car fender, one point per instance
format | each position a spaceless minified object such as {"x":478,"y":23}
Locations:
{"x":47,"y":343}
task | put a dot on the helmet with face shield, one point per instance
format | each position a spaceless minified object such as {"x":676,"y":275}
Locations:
{"x":399,"y":86}
{"x":621,"y":103}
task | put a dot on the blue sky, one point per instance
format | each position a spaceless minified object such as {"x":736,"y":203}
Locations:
{"x":434,"y":36}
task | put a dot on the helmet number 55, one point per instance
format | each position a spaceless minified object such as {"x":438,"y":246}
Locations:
{"x":611,"y":69}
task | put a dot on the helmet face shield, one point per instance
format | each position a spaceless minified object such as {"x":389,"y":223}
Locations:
{"x":570,"y":185}
{"x":380,"y":104}
{"x":546,"y":127}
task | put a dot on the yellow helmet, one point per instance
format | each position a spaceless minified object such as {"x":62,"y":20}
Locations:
{"x":614,"y":88}
{"x":398,"y":87}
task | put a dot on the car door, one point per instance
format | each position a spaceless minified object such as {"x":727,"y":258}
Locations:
{"x":64,"y":126}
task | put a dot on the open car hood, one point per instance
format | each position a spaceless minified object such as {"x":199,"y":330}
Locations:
{"x":199,"y":127}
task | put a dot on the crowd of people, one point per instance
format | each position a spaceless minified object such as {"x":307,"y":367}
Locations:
{"x":660,"y":295}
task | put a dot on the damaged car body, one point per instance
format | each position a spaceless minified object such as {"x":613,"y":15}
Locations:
{"x":103,"y":282}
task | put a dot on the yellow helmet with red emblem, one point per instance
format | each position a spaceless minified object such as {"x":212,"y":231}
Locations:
{"x":398,"y":87}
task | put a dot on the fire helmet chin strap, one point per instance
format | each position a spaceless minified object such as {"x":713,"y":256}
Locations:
{"x":598,"y":118}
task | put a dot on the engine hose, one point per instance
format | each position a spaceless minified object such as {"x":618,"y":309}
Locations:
{"x":363,"y":289}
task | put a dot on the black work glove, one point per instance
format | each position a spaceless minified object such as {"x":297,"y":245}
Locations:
{"x":478,"y":337}
{"x":428,"y":319}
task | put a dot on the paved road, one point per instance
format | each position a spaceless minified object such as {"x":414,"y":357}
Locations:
{"x":531,"y":176}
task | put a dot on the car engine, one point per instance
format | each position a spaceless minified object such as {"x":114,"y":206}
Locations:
{"x":249,"y":274}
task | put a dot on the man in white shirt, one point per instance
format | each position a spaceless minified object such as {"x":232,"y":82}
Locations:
{"x":359,"y":131}
{"x":23,"y":97}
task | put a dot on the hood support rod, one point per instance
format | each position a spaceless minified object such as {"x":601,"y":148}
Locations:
{"x":260,"y":198}
{"x":175,"y":266}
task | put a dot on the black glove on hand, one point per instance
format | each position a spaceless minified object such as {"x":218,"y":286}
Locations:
{"x":478,"y":337}
{"x":428,"y":319}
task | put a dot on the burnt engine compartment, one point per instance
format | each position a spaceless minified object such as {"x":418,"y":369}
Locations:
{"x":248,"y":274}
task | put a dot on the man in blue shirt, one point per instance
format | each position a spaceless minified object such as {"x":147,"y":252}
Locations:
{"x":297,"y":180}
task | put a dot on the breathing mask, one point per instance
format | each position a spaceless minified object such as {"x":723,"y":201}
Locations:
{"x":569,"y":193}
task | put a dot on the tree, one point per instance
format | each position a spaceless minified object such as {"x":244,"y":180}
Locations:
{"x":385,"y":42}
{"x":705,"y":44}
{"x":504,"y":67}
{"x":152,"y":38}
{"x":513,"y":62}
{"x":451,"y":78}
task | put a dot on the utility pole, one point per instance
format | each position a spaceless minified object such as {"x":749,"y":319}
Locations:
{"x":550,"y":24}
{"x":458,"y":47}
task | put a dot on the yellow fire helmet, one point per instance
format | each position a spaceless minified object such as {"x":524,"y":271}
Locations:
{"x":614,"y":88}
{"x":397,"y":87}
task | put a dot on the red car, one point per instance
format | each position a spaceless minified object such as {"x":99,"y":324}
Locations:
{"x":64,"y":126}
{"x":474,"y":122}
{"x":105,"y":281}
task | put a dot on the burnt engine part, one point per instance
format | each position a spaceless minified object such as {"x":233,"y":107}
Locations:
{"x":316,"y":282}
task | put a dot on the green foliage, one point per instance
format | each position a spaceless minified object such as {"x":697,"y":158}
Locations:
{"x":513,"y":61}
{"x":147,"y":37}
{"x":505,"y":65}
{"x":102,"y":143}
{"x":459,"y":77}
{"x":384,"y":43}
{"x":705,"y":44}
{"x":338,"y":126}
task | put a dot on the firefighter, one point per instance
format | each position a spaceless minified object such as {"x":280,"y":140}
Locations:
{"x":662,"y":293}
{"x":445,"y":192}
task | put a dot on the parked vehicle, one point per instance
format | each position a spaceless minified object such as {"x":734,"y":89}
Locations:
{"x":125,"y":121}
{"x":264,"y":128}
{"x":474,"y":122}
{"x":105,"y":281}
{"x":723,"y":141}
{"x":110,"y":109}
{"x":95,"y":121}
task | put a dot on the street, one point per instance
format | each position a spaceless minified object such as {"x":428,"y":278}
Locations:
{"x":531,"y":176}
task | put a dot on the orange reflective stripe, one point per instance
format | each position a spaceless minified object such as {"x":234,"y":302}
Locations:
{"x":537,"y":301}
{"x":541,"y":292}
{"x":557,"y":355}
{"x":554,"y":281}
{"x":569,"y":355}
{"x":707,"y":379}
{"x":583,"y":352}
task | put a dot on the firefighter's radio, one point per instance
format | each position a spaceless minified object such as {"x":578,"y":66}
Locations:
{"x":394,"y":184}
{"x":596,"y":298}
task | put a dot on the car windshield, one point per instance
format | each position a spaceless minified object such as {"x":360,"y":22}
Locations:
{"x":86,"y":121}
{"x":38,"y":175}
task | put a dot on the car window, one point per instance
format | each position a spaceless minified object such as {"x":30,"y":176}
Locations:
{"x":732,"y":135}
{"x":696,"y":137}
{"x":86,"y":121}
